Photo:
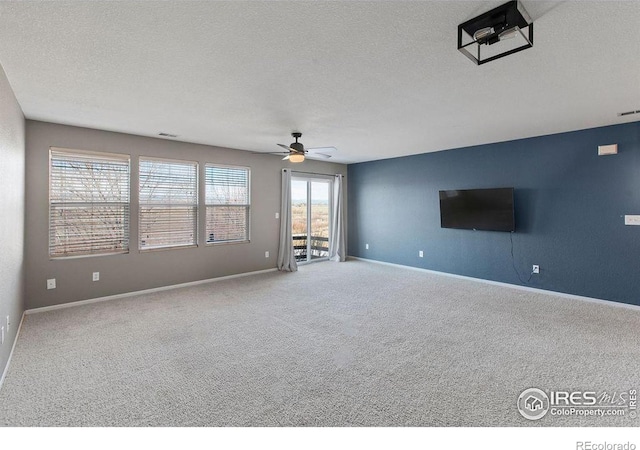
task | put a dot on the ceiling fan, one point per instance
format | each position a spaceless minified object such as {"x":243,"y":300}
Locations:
{"x":296,"y":151}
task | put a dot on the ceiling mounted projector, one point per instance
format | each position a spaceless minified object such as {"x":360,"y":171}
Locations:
{"x":492,"y":35}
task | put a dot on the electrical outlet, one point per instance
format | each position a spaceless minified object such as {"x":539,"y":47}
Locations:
{"x":421,"y":254}
{"x":277,"y":215}
{"x":96,"y":276}
{"x":536,"y":268}
{"x":8,"y":323}
{"x":366,"y":246}
{"x":51,"y":283}
{"x":266,"y":254}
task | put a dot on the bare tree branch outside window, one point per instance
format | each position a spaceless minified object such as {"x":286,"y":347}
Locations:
{"x":227,"y":198}
{"x":168,"y":203}
{"x":88,"y":203}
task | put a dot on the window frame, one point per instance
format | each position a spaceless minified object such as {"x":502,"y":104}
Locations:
{"x":207,"y":205}
{"x":126,"y":227}
{"x":196,"y":231}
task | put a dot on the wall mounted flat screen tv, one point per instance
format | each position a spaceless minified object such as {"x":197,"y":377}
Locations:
{"x":478,"y":209}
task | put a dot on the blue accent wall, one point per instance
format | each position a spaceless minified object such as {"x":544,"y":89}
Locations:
{"x":569,"y":209}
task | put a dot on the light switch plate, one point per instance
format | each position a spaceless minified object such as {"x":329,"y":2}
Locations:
{"x":631,"y":219}
{"x":608,"y":149}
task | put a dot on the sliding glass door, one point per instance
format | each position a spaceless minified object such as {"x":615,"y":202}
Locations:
{"x":310,"y":214}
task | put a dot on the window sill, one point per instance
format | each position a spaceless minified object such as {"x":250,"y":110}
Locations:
{"x":91,"y":255}
{"x":213,"y":244}
{"x":160,"y":249}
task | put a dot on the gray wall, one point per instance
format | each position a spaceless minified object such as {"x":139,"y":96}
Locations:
{"x":136,"y":271}
{"x":569,"y":209}
{"x":11,"y":214}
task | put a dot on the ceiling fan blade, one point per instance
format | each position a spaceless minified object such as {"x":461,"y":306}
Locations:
{"x":286,"y":157}
{"x":270,"y":153}
{"x":285,"y":146}
{"x":321,"y":149}
{"x":319,"y":156}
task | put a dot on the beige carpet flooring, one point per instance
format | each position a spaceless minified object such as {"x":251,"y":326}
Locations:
{"x":335,"y":344}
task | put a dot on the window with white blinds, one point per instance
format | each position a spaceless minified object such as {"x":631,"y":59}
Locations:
{"x":168,"y":203}
{"x":227,"y":201}
{"x":88,"y":203}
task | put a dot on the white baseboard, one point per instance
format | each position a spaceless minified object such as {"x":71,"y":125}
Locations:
{"x":509,"y":285}
{"x":13,"y":347}
{"x":144,"y":291}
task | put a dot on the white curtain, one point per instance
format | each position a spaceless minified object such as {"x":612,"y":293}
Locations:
{"x":286,"y":257}
{"x":337,"y":242}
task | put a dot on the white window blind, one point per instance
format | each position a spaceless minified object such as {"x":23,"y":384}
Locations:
{"x":168,"y":203}
{"x":227,"y":201}
{"x":88,"y":203}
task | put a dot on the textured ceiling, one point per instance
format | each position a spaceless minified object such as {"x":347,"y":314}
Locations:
{"x":374,"y":79}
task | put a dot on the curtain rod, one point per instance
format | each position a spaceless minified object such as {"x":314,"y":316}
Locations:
{"x":314,"y":173}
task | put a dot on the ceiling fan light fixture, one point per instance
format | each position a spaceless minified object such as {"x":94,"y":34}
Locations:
{"x":295,"y":152}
